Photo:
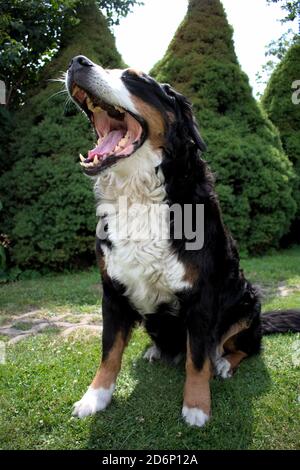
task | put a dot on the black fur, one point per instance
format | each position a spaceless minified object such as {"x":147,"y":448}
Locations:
{"x":221,"y":296}
{"x":280,"y":322}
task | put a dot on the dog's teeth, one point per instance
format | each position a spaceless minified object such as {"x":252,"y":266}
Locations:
{"x":91,"y":107}
{"x":89,"y":104}
{"x":96,"y":160}
{"x":81,"y":157}
{"x":75,"y":90}
{"x":121,"y":110}
{"x":86,"y":165}
{"x":123,"y":143}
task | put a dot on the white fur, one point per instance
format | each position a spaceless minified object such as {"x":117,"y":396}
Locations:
{"x":95,"y":399}
{"x":223,"y":368}
{"x":152,"y":353}
{"x":194,"y":416}
{"x":144,"y":264}
{"x":108,"y":85}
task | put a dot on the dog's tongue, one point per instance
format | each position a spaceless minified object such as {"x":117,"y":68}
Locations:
{"x":108,"y":144}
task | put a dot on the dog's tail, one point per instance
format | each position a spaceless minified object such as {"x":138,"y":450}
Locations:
{"x":280,"y":321}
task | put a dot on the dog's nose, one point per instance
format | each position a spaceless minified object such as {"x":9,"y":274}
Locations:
{"x":80,"y":61}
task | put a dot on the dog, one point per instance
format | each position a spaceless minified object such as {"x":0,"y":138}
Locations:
{"x":193,"y":300}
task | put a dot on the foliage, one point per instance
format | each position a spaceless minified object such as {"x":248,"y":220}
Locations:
{"x":6,"y":126}
{"x":285,"y":114}
{"x":48,"y":204}
{"x":253,"y":176}
{"x":27,"y":44}
{"x":275,"y":51}
{"x":291,"y":7}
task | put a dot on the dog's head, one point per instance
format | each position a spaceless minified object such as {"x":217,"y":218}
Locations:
{"x":127,"y":109}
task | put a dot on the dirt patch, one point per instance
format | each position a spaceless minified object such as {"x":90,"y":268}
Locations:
{"x":284,"y":290}
{"x":38,"y":321}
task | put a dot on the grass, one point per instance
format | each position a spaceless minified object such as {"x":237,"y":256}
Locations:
{"x":258,"y":409}
{"x":75,"y":292}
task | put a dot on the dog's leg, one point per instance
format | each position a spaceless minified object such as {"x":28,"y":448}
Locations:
{"x":196,"y":400}
{"x":165,"y":345}
{"x":241,"y":340}
{"x":226,"y":365}
{"x":117,"y":325}
{"x":152,"y":354}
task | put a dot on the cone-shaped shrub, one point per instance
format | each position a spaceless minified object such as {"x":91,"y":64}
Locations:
{"x":48,"y":202}
{"x":281,"y":101}
{"x":253,"y":175}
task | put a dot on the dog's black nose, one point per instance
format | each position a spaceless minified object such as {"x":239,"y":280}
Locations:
{"x":80,"y":61}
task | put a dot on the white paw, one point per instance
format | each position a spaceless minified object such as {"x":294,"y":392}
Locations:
{"x":95,"y":399}
{"x":223,"y":368}
{"x":194,"y":416}
{"x":152,"y":354}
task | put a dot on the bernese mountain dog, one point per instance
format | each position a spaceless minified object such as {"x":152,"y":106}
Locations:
{"x":192,"y":298}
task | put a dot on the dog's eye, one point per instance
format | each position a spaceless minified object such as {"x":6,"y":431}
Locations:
{"x":130,"y":74}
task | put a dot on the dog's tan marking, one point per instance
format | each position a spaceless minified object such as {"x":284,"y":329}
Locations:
{"x":229,"y":345}
{"x":227,"y":340}
{"x":110,"y":366}
{"x":139,"y":73}
{"x":191,"y":273}
{"x":196,"y":389}
{"x":154,"y":120}
{"x":235,"y":358}
{"x":101,"y":264}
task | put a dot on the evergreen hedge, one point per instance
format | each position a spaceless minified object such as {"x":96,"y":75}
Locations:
{"x":48,"y":204}
{"x":253,"y":175}
{"x":285,"y":114}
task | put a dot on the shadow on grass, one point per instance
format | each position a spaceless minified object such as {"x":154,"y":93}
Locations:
{"x":149,"y":418}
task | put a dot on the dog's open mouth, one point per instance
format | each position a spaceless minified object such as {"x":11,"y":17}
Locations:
{"x":120,"y":133}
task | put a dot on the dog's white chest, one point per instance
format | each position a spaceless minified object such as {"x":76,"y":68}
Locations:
{"x":140,"y":257}
{"x":149,"y":271}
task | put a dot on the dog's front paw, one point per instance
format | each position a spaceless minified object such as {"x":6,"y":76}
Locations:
{"x":194,"y":416}
{"x":95,"y":399}
{"x":152,"y":354}
{"x":223,"y":368}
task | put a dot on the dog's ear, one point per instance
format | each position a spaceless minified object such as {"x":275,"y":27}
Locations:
{"x":184,"y":107}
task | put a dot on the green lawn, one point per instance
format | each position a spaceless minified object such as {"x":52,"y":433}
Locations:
{"x":258,"y":409}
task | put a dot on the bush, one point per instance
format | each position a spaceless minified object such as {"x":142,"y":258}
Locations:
{"x":253,"y":175}
{"x":47,"y":202}
{"x":277,"y":101}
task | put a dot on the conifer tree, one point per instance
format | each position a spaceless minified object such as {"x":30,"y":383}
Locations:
{"x":253,"y":175}
{"x":281,"y":101}
{"x":48,"y":205}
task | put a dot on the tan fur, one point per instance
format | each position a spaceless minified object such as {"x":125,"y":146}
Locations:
{"x":110,"y":367}
{"x":101,"y":265}
{"x":154,"y":120}
{"x":227,"y":340}
{"x":191,"y":273}
{"x":235,"y":358}
{"x":196,"y":389}
{"x":139,"y":73}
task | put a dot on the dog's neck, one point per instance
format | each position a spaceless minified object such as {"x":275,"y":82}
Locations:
{"x":137,"y":178}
